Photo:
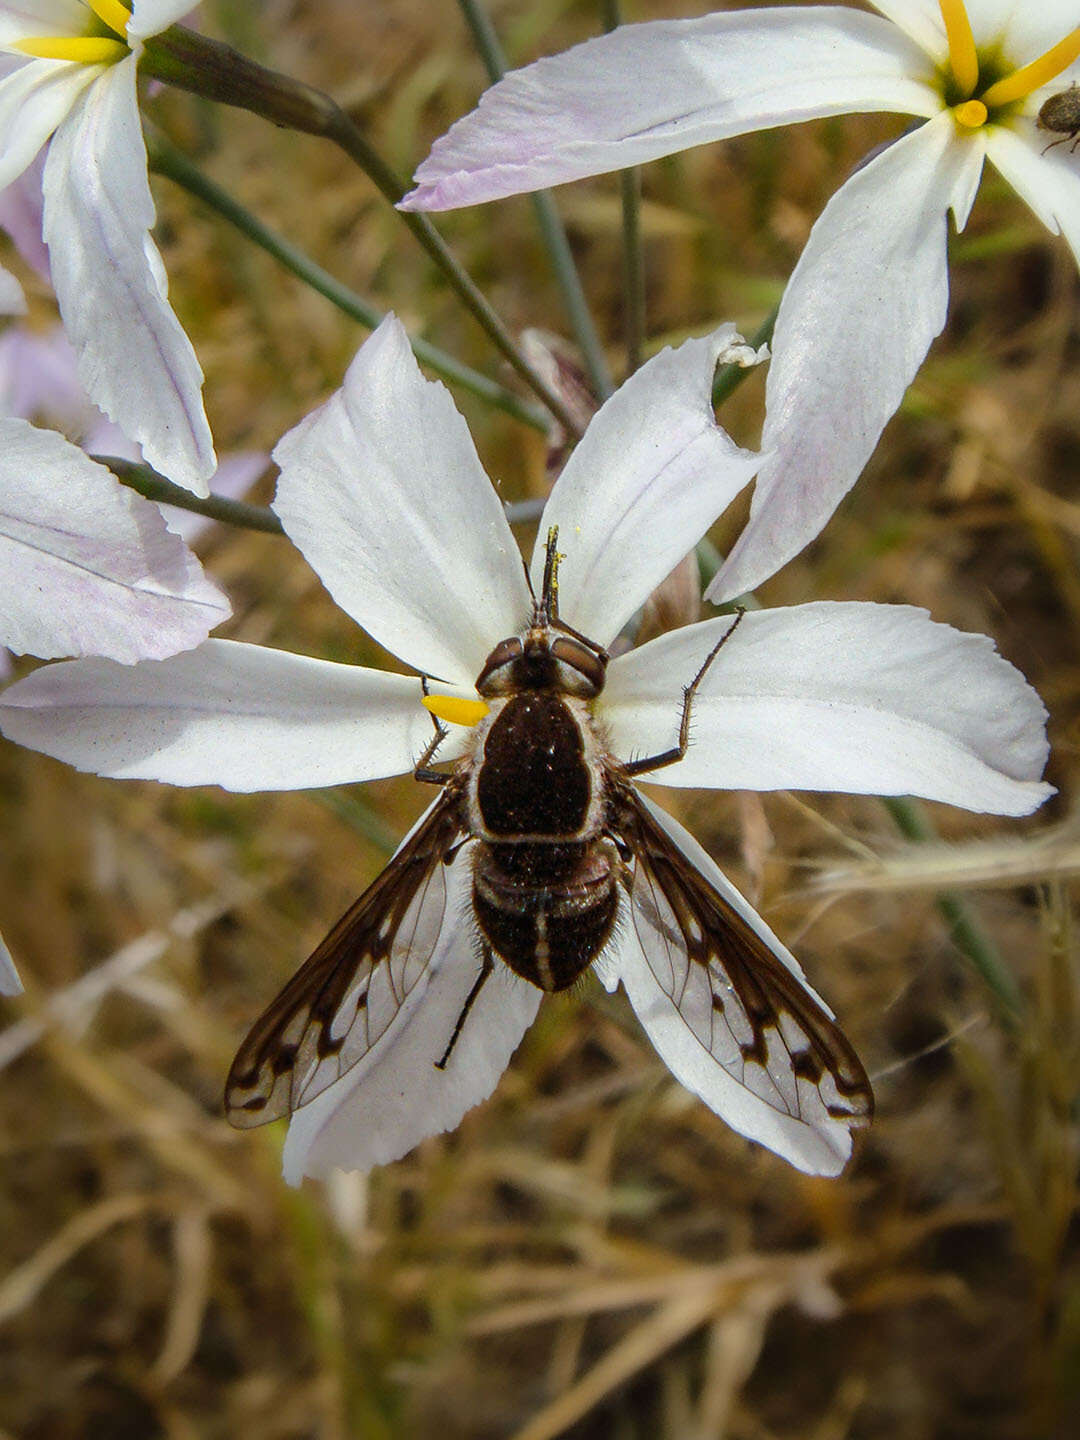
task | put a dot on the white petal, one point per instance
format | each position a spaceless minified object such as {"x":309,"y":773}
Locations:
{"x":382,"y":490}
{"x":135,"y":361}
{"x":867,"y":297}
{"x":89,"y":567}
{"x":816,"y":1143}
{"x":34,"y":99}
{"x":651,"y":474}
{"x":24,"y":19}
{"x":1049,"y":183}
{"x":20,"y":216}
{"x":868,"y":699}
{"x":643,"y":91}
{"x":229,"y":714}
{"x":10,"y":984}
{"x":395,"y":1097}
{"x":1023,"y":29}
{"x":12,"y":299}
{"x":150,"y":17}
{"x":921,"y":19}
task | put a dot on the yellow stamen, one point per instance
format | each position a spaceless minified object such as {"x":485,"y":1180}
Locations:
{"x":85,"y":49}
{"x":972,"y":114}
{"x":112,"y":13}
{"x":963,"y":58}
{"x":1040,"y":72}
{"x":454,"y":709}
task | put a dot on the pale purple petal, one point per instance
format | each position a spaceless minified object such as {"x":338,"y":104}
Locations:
{"x":814,"y":1141}
{"x":12,"y":299}
{"x":382,"y":490}
{"x":21,"y":216}
{"x":89,"y":567}
{"x":241,"y":716}
{"x":38,"y":379}
{"x":1049,"y":183}
{"x":650,"y":476}
{"x":395,"y":1096}
{"x":868,"y":699}
{"x":135,"y":361}
{"x":10,"y":984}
{"x":869,"y":294}
{"x":643,"y":91}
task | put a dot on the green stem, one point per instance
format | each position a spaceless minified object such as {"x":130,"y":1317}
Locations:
{"x":206,"y":67}
{"x":155,"y":487}
{"x":729,"y":377}
{"x":967,"y":930}
{"x":549,"y":221}
{"x":166,"y":160}
{"x":633,"y":254}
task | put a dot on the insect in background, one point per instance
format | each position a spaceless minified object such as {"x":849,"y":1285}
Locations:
{"x":566,"y":860}
{"x":1060,"y":115}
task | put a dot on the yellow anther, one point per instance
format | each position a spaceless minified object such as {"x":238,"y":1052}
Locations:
{"x":112,"y":13}
{"x":1040,"y":72}
{"x":455,"y":710}
{"x":972,"y":114}
{"x":84,"y":49}
{"x":963,"y":58}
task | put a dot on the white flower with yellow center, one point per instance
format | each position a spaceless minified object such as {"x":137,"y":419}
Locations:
{"x":76,"y":84}
{"x":383,"y":491}
{"x":870,"y":291}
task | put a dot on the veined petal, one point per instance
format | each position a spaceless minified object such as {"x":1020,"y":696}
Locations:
{"x":869,"y":294}
{"x":34,"y":99}
{"x":89,"y":567}
{"x":22,"y":19}
{"x":242,"y":716}
{"x":135,"y":361}
{"x":648,"y":90}
{"x":1049,"y":183}
{"x":867,"y":699}
{"x":150,"y":17}
{"x":651,"y":474}
{"x":10,"y":984}
{"x":395,"y":1096}
{"x":382,"y":490}
{"x":814,"y":1141}
{"x":921,"y":20}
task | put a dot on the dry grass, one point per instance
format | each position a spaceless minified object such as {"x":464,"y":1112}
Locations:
{"x":592,"y":1253}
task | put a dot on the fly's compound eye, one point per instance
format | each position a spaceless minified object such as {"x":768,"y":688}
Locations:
{"x":583,"y":670}
{"x":495,"y":678}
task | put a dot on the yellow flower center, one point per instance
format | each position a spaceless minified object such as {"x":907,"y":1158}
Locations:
{"x":90,"y":49}
{"x":976,"y":106}
{"x":455,"y":710}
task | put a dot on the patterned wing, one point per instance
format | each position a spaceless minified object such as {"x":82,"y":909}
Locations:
{"x":738,"y":1002}
{"x":343,"y":999}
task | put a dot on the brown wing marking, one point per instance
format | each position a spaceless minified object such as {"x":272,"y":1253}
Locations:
{"x":343,"y":998}
{"x":756,"y":1018}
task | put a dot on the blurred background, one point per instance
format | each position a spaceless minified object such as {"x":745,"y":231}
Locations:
{"x":592,"y":1253}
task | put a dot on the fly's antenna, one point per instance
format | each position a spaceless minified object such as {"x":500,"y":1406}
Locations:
{"x":547,"y":607}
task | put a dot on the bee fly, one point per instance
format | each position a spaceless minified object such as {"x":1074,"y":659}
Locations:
{"x":1060,"y":115}
{"x":562,"y":850}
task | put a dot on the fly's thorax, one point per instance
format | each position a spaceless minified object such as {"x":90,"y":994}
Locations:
{"x":537,"y":771}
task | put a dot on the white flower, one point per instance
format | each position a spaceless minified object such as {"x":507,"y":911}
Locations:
{"x":870,"y":290}
{"x":76,"y":84}
{"x":89,"y":567}
{"x":382,"y":490}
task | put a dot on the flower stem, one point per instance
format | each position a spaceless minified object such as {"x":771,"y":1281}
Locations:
{"x":153,"y":486}
{"x":208,"y":68}
{"x":166,"y":160}
{"x":633,"y":255}
{"x":548,"y":219}
{"x":968,"y":933}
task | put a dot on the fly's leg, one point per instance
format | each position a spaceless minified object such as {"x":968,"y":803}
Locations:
{"x":486,"y":968}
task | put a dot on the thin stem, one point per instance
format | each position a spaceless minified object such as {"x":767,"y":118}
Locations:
{"x":633,"y":254}
{"x":548,"y":219}
{"x":166,"y":160}
{"x":153,"y":486}
{"x":729,"y":377}
{"x":216,"y":71}
{"x":968,"y":933}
